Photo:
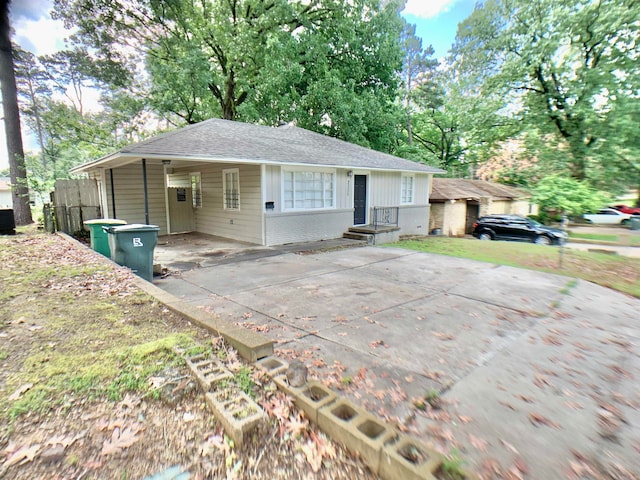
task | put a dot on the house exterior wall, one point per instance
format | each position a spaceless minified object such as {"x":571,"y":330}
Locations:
{"x":129,"y":195}
{"x":455,"y":218}
{"x":413,"y":219}
{"x":245,"y":223}
{"x":252,"y":222}
{"x":436,"y":216}
{"x":281,"y":228}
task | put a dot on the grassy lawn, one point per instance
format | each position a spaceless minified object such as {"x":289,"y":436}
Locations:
{"x":594,"y":236}
{"x":613,"y":271}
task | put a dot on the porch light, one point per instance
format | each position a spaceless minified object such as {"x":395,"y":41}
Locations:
{"x":350,"y":173}
{"x":166,"y":162}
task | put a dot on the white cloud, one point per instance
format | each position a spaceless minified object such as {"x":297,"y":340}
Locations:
{"x":427,"y":8}
{"x":41,"y":37}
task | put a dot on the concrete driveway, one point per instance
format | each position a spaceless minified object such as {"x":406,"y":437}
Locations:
{"x":537,"y":375}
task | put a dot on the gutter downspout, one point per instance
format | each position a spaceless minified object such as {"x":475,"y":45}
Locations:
{"x":146,"y":191}
{"x":113,"y":194}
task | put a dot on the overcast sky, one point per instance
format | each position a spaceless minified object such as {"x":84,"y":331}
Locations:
{"x":436,"y":23}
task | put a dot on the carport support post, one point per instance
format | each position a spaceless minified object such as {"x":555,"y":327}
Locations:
{"x":146,"y":192}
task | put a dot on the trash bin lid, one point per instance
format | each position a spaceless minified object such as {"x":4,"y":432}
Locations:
{"x":105,"y":221}
{"x":136,"y":227}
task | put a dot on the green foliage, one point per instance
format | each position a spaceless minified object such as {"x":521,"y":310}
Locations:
{"x":559,"y":69}
{"x":566,"y":195}
{"x":328,"y":65}
{"x":244,"y":380}
{"x":452,"y":466}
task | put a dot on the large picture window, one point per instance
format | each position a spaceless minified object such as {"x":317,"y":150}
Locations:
{"x":231,"y":188}
{"x":306,"y":190}
{"x":406,"y":190}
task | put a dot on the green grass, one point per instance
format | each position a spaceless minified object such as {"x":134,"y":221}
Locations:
{"x":613,"y":271}
{"x":594,"y":236}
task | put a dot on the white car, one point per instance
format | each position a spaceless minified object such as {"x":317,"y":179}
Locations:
{"x":608,"y":216}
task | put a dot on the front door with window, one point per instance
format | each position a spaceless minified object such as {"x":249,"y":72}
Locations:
{"x":359,"y":199}
{"x":181,"y":215}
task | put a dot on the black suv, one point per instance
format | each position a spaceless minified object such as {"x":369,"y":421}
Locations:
{"x":516,"y":227}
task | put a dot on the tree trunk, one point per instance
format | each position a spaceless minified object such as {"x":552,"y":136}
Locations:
{"x":20,"y":191}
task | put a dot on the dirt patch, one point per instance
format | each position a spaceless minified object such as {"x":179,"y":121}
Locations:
{"x":83,"y":394}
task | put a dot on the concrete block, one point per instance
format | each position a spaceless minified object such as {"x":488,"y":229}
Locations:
{"x":360,"y":432}
{"x":406,"y":458}
{"x":312,"y":397}
{"x":283,"y":384}
{"x":237,"y":412}
{"x":208,"y":371}
{"x":272,"y":365}
{"x":338,"y":421}
{"x":369,"y":437}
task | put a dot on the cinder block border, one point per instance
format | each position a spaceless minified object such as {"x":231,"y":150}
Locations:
{"x":237,"y":412}
{"x":406,"y":458}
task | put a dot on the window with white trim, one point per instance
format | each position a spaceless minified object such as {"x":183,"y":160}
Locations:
{"x":231,"y":188}
{"x":406,"y":189}
{"x":308,"y":190}
{"x":196,"y":190}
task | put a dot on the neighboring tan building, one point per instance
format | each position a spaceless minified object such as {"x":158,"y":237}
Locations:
{"x":457,"y":203}
{"x":262,"y":185}
{"x":6,"y":200}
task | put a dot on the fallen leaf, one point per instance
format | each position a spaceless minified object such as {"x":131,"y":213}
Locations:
{"x":538,"y":419}
{"x":120,"y":439}
{"x":312,"y":455}
{"x":478,"y":443}
{"x":18,"y":393}
{"x":23,"y":455}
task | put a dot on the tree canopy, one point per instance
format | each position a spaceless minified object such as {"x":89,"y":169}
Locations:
{"x":330,"y":66}
{"x":559,"y":70}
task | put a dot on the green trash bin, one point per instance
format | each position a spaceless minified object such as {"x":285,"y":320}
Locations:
{"x":635,"y":222}
{"x":99,"y":238}
{"x":132,"y":246}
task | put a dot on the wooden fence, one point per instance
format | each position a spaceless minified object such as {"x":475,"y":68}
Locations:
{"x":73,"y":202}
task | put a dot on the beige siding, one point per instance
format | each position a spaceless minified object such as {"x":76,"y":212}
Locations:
{"x":385,"y":189}
{"x":273,"y":188}
{"x":244,"y":224}
{"x":455,"y":218}
{"x":307,"y":226}
{"x":436,"y":216}
{"x":128,"y":186}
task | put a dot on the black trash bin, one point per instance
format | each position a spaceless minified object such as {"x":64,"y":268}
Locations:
{"x":7,"y":222}
{"x":132,"y":246}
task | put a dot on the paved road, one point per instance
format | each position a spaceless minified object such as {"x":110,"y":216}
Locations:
{"x":536,"y":372}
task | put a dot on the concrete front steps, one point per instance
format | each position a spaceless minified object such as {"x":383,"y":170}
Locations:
{"x":373,"y":235}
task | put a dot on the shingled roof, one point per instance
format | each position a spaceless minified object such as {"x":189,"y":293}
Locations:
{"x":459,"y":188}
{"x":217,"y":140}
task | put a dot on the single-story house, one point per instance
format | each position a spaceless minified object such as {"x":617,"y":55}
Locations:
{"x":262,"y":185}
{"x":457,"y":203}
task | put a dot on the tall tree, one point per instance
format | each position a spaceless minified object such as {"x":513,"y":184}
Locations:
{"x":559,"y":68}
{"x":15,"y":149}
{"x":336,"y":61}
{"x":418,"y":72}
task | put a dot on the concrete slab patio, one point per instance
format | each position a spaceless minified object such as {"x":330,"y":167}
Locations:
{"x":537,"y":374}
